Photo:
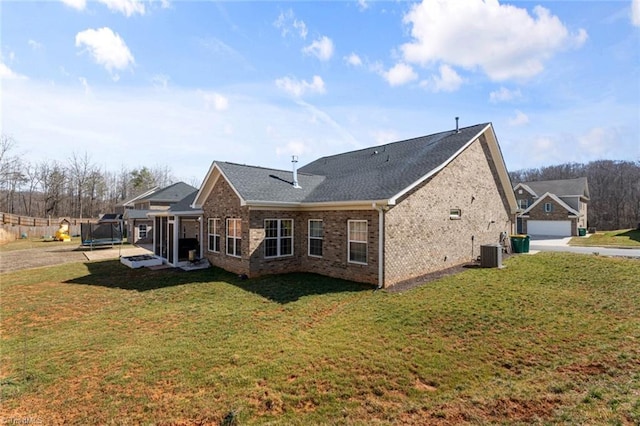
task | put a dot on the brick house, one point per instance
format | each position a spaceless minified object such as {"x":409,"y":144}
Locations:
{"x":552,"y":207}
{"x":379,"y":215}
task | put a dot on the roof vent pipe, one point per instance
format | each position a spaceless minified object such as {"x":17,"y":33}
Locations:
{"x":294,"y":160}
{"x":457,"y":128}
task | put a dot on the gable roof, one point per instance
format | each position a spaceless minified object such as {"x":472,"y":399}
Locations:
{"x":130,"y":201}
{"x":372,"y":175}
{"x":170,"y":194}
{"x":554,"y":198}
{"x":577,"y":187}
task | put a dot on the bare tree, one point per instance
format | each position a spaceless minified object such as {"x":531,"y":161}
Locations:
{"x":80,"y":170}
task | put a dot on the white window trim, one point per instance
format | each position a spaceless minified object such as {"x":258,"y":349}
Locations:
{"x":214,"y":234}
{"x":236,"y":240}
{"x":279,"y":238}
{"x":548,"y":207}
{"x":523,"y":201}
{"x":140,"y":230}
{"x":314,"y":238}
{"x":455,"y":214}
{"x":349,"y":241}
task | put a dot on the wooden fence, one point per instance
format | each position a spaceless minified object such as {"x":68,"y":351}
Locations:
{"x":13,"y":226}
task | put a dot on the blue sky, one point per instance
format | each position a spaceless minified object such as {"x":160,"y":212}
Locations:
{"x":183,"y":83}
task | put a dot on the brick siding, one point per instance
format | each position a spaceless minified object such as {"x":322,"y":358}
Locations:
{"x":558,"y":213}
{"x":420,"y":237}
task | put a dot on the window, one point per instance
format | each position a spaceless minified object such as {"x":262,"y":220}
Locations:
{"x":142,"y":231}
{"x":548,"y":207}
{"x":234,"y":237}
{"x":214,"y":235}
{"x":278,"y":237}
{"x":316,"y":234}
{"x":357,"y":241}
{"x":523,"y":204}
{"x":455,"y":214}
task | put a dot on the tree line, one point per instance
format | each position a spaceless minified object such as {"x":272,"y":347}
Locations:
{"x":76,"y":188}
{"x":79,"y":188}
{"x":614,"y":187}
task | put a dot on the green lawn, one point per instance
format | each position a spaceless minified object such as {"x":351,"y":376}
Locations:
{"x":551,"y":338}
{"x":622,"y":238}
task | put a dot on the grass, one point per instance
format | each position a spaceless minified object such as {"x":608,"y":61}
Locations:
{"x":34,"y":243}
{"x":41,"y":243}
{"x":626,"y":238}
{"x":552,"y":338}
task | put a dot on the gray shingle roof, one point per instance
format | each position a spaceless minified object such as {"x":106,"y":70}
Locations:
{"x":184,"y":205}
{"x":382,"y":172}
{"x":375,"y":173}
{"x":170,"y":194}
{"x":561,"y":188}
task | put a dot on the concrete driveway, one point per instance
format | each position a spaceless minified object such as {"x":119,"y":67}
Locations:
{"x":541,"y":243}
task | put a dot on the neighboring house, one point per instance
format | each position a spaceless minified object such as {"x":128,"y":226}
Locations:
{"x":136,"y":210}
{"x":129,"y":204}
{"x":379,"y":215}
{"x":552,"y":207}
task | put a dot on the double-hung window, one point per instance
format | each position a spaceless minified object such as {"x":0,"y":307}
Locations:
{"x":278,"y":237}
{"x":523,"y":203}
{"x":234,"y":237}
{"x":214,"y":234}
{"x":142,"y":231}
{"x":357,"y":230}
{"x":316,"y":235}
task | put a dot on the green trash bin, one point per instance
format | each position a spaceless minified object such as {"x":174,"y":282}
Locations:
{"x":525,"y":244}
{"x":582,"y":232}
{"x":517,"y":243}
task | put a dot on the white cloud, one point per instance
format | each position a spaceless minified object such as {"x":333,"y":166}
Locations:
{"x":635,"y":13}
{"x":35,"y":45}
{"x":126,"y":7}
{"x":384,"y":136}
{"x":448,"y":80}
{"x":504,"y":95}
{"x":321,"y":48}
{"x":85,"y":85}
{"x":353,"y":60}
{"x":294,"y":147}
{"x":502,"y":40}
{"x":7,"y":73}
{"x":216,"y":100}
{"x":400,"y":74}
{"x":520,"y":119}
{"x":597,"y":142}
{"x":299,"y":88}
{"x":76,"y":4}
{"x":287,"y":23}
{"x":160,"y":81}
{"x":363,"y":4}
{"x":107,"y":49}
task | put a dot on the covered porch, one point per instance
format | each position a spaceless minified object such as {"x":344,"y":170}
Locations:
{"x":177,"y":237}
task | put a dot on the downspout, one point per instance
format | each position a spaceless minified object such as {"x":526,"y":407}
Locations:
{"x":380,"y":245}
{"x":201,"y":220}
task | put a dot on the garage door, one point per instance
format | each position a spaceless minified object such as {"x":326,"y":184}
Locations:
{"x":560,"y":228}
